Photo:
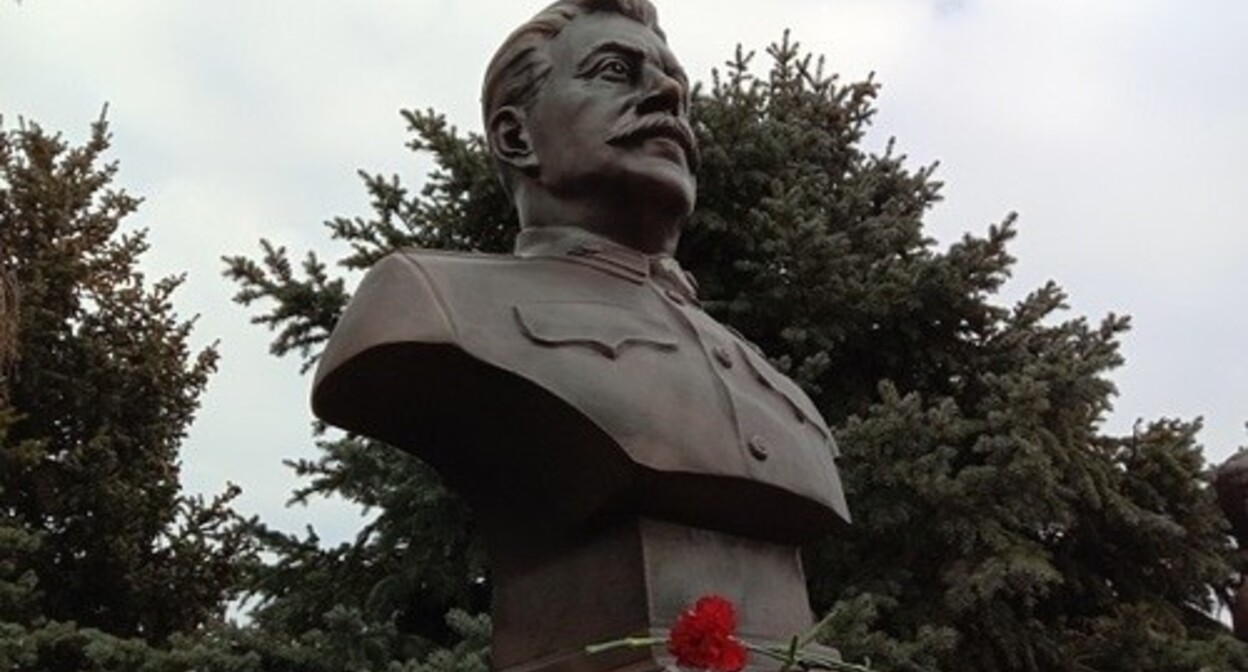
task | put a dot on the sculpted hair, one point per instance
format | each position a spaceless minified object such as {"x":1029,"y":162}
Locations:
{"x":521,"y":64}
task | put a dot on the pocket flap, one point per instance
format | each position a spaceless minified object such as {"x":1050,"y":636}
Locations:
{"x":794,"y":397}
{"x":603,"y":327}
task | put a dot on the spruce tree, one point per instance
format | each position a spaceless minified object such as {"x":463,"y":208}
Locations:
{"x":997,"y":527}
{"x":101,"y":556}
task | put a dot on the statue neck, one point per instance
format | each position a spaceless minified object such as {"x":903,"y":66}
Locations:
{"x":632,"y":225}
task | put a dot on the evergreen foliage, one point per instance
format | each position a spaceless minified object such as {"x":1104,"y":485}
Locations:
{"x":101,"y":557}
{"x":997,"y":527}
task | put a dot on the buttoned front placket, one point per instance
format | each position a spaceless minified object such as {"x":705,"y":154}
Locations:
{"x":756,"y":409}
{"x":724,"y":356}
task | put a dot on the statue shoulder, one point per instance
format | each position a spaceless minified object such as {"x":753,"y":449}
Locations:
{"x":409,"y":296}
{"x":439,"y":268}
{"x":395,"y":302}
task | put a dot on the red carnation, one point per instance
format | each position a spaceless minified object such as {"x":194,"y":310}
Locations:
{"x":702,"y":637}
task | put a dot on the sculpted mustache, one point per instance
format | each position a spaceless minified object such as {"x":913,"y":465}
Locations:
{"x":662,"y":126}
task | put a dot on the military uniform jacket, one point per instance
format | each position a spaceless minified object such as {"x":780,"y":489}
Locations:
{"x":579,"y":379}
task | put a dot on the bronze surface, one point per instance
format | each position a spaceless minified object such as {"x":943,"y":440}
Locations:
{"x":625,"y":452}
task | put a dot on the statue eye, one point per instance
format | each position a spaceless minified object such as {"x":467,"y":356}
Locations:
{"x":615,"y":68}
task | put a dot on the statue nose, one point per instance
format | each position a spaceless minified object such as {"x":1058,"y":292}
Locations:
{"x":664,"y":94}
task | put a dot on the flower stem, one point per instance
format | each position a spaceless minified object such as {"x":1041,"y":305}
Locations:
{"x":816,"y":629}
{"x":804,"y":660}
{"x":627,"y":642}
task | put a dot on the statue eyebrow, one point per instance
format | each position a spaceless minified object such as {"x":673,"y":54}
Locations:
{"x":635,"y":53}
{"x":612,"y":46}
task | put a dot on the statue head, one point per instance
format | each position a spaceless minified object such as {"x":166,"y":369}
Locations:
{"x":586,"y":115}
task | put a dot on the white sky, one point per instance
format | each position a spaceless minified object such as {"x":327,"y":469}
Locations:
{"x":1118,"y":129}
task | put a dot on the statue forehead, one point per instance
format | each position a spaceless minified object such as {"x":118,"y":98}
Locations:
{"x":592,"y":32}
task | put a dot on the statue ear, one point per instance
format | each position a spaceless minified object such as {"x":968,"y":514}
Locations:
{"x":509,"y":138}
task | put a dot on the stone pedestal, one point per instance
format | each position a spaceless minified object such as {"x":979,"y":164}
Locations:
{"x":633,"y":577}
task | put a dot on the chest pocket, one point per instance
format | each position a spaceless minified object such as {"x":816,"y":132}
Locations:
{"x":605,"y":328}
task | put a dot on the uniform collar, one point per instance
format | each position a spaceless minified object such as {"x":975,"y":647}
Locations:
{"x":606,"y":255}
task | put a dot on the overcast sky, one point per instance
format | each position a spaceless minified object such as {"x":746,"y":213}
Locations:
{"x":1117,"y":129}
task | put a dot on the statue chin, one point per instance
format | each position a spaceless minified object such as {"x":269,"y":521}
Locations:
{"x":664,"y":185}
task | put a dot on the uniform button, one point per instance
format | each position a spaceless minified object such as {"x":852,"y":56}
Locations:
{"x":722,"y":356}
{"x":758,"y":448}
{"x":675,"y":297}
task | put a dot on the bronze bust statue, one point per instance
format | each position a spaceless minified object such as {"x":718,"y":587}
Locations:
{"x":624,"y":451}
